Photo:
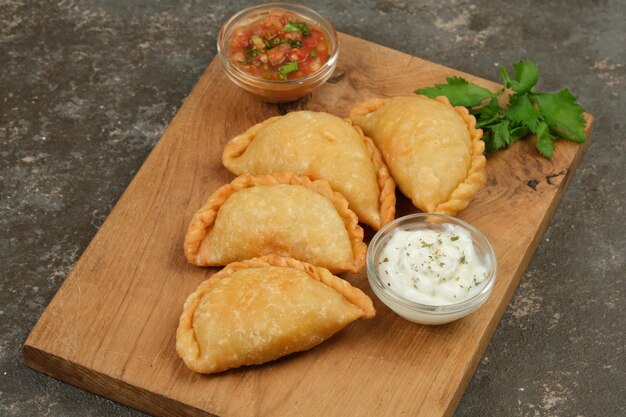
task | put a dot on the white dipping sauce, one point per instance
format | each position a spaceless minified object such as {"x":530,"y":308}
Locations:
{"x":432,"y":267}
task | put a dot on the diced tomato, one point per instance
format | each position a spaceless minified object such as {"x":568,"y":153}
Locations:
{"x":241,"y":38}
{"x":258,"y":30}
{"x":277,"y":55}
{"x":268,"y":33}
{"x":294,"y":36}
{"x":273,"y":21}
{"x":313,"y":39}
{"x":274,"y":47}
{"x":298,"y":54}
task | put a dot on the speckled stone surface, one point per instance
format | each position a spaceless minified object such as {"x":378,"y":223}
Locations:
{"x":87,"y":88}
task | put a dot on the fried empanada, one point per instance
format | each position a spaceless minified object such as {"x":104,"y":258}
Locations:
{"x":282,"y":213}
{"x":433,"y":150}
{"x":320,"y":146}
{"x":258,"y":310}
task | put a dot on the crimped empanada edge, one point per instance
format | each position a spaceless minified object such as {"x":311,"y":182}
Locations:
{"x":354,"y":295}
{"x":204,"y":218}
{"x":476,"y":175}
{"x":462,"y":194}
{"x":187,"y":345}
{"x":388,"y":192}
{"x":384,"y":180}
{"x":239,"y":144}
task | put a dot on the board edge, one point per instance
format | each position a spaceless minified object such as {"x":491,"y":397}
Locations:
{"x":95,"y":382}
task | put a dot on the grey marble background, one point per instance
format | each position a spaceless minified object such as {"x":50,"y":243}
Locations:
{"x":87,"y":88}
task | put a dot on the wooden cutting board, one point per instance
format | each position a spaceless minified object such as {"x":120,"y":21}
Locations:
{"x":110,"y":328}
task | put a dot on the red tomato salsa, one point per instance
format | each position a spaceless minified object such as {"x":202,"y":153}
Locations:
{"x":279,"y":46}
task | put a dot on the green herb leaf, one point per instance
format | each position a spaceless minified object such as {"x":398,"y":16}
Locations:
{"x":548,"y":115}
{"x":501,"y":135}
{"x":522,"y":111}
{"x":458,"y":91}
{"x":519,"y":132}
{"x":526,"y":75}
{"x":505,"y":77}
{"x":563,"y":114}
{"x":489,"y":110}
{"x":297,"y":27}
{"x":489,"y":114}
{"x":488,"y":139}
{"x":286,"y":69}
{"x":545,"y":140}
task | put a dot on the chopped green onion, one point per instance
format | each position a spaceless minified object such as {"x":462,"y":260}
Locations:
{"x":297,"y":27}
{"x":313,"y":54}
{"x":287,"y":69}
{"x":252,"y":54}
{"x":278,"y":41}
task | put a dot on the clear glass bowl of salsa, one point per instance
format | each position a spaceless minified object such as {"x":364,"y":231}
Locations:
{"x":279,"y":52}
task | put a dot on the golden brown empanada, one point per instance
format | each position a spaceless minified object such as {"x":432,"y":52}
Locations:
{"x":320,"y":146}
{"x":258,"y":310}
{"x":433,"y":150}
{"x":282,"y":213}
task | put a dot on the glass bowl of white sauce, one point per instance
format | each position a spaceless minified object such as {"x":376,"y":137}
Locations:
{"x":431,"y":268}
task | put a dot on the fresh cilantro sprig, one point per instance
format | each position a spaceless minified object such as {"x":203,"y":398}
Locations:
{"x":547,"y":115}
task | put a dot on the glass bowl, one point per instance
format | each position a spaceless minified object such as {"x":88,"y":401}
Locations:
{"x":277,"y":91}
{"x":430,"y":313}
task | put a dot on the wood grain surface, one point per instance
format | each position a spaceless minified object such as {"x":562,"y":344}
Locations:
{"x":111,"y":327}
